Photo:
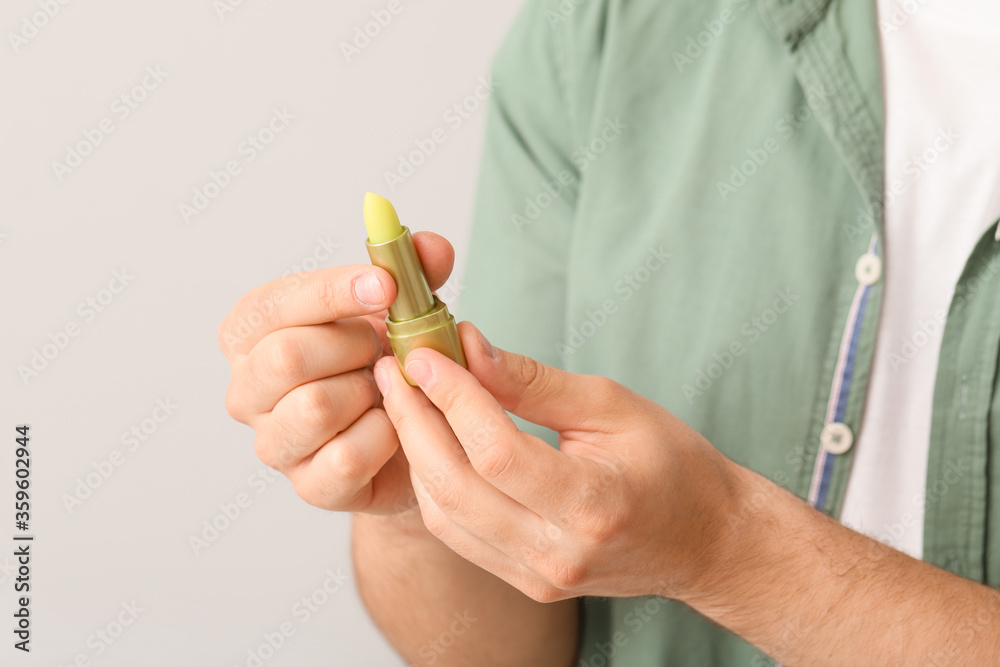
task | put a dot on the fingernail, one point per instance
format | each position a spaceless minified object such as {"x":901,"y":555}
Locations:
{"x":421,"y":372}
{"x":488,"y":348}
{"x":368,"y":289}
{"x":382,"y":381}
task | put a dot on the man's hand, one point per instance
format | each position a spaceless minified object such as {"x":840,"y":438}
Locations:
{"x":637,"y":503}
{"x":301,"y":350}
{"x":630,"y":505}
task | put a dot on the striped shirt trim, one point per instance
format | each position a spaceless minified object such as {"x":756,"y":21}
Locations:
{"x":841,"y":389}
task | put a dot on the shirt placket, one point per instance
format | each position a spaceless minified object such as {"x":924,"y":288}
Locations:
{"x":815,"y":44}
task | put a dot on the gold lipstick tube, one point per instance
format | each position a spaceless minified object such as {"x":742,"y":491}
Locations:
{"x":416,"y":317}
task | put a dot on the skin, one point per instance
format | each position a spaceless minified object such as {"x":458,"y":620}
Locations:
{"x":458,"y":512}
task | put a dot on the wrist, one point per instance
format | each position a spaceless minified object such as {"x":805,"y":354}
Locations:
{"x":735,"y":538}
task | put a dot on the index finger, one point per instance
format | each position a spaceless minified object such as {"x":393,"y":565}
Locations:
{"x":520,"y":465}
{"x":301,"y":299}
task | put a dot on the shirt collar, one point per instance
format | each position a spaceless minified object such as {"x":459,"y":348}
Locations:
{"x":790,"y":20}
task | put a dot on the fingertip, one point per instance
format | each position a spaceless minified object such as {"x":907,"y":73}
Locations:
{"x":485,"y":346}
{"x":382,"y":379}
{"x":385,"y":362}
{"x":437,"y":256}
{"x":422,"y":354}
{"x":481,"y":355}
{"x":420,"y":372}
{"x":373,"y":288}
{"x":425,"y":365}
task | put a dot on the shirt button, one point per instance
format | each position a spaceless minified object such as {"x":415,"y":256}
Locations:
{"x":868,"y":270}
{"x":836,"y":438}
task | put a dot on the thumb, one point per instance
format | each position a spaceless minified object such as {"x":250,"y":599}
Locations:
{"x":542,"y":394}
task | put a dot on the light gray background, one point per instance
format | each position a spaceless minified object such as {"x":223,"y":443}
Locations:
{"x":60,"y":243}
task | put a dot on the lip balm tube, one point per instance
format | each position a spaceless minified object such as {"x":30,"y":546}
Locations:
{"x":417,"y":318}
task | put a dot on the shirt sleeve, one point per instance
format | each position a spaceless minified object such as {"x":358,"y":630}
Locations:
{"x":516,"y":271}
{"x":515,"y":276}
{"x":516,"y":268}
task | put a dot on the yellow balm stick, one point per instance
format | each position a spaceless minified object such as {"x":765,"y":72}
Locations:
{"x":416,"y":318}
{"x":381,"y":219}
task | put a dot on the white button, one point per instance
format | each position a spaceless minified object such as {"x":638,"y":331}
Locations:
{"x":868,"y":269}
{"x":836,"y":438}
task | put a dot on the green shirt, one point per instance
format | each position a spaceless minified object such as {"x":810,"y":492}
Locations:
{"x":685,"y":196}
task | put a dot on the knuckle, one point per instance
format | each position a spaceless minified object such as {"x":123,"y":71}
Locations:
{"x":607,"y":388}
{"x":328,"y":295}
{"x":613,"y":398}
{"x":533,"y":376}
{"x":447,"y":497}
{"x":285,"y":358}
{"x":435,"y":522}
{"x":270,"y":307}
{"x":346,"y":463}
{"x":235,"y":406}
{"x":315,"y":409}
{"x":365,"y":386}
{"x":564,"y":573}
{"x":494,"y":459}
{"x":530,"y":373}
{"x":544,"y":592}
{"x":452,"y":402}
{"x":311,"y":492}
{"x":402,"y":422}
{"x":265,"y":451}
{"x":599,"y":514}
{"x":605,"y":526}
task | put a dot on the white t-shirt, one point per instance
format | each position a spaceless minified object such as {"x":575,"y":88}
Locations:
{"x":941,"y":81}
